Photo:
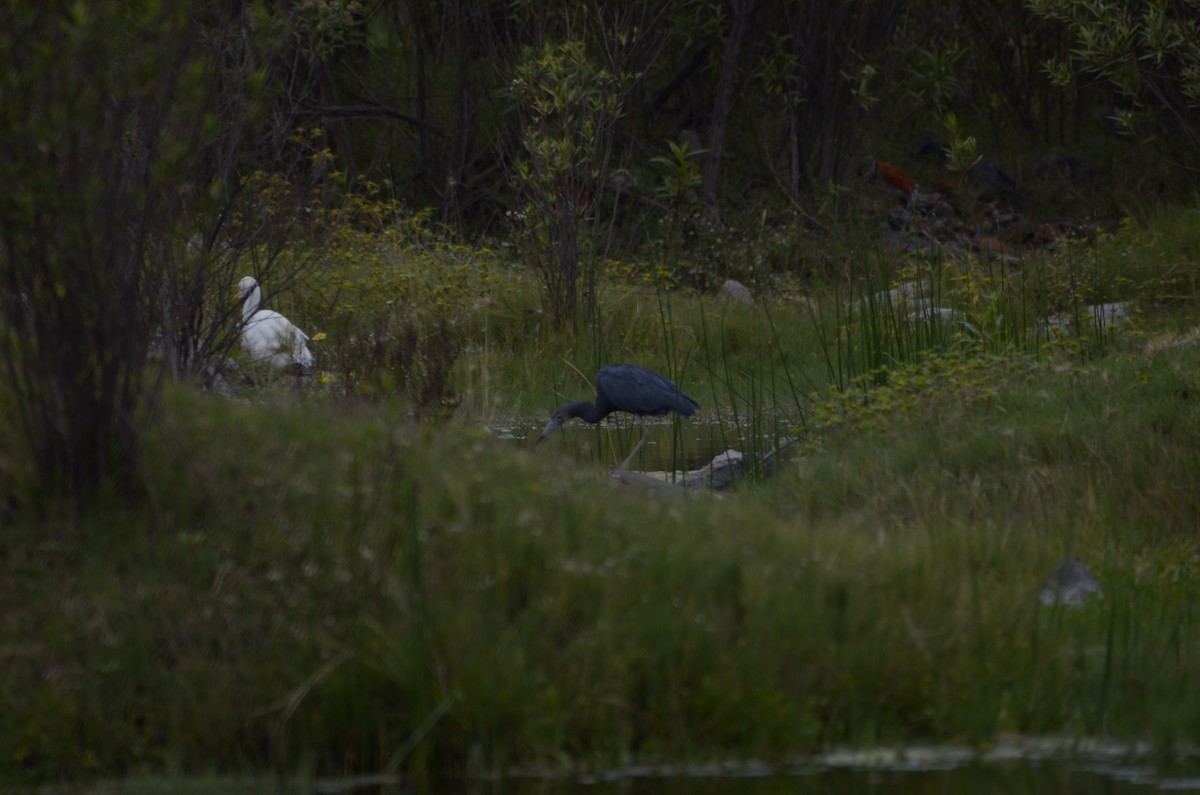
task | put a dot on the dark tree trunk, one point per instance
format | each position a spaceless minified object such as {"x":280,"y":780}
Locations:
{"x":723,"y":101}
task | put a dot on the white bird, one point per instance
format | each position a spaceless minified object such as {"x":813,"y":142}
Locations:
{"x":268,"y":335}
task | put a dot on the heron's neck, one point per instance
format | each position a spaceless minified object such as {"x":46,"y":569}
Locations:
{"x":251,"y":304}
{"x":588,"y":412}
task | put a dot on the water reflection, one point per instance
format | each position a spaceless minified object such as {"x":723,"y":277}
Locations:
{"x":974,"y":779}
{"x":1016,"y":764}
{"x":1024,"y":776}
{"x":673,"y":445}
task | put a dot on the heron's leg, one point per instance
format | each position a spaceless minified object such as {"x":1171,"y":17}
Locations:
{"x":636,"y":448}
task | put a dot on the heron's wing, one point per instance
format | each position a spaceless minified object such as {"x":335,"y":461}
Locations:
{"x":634,"y":389}
{"x":269,"y":333}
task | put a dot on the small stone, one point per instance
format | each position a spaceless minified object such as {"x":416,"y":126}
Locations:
{"x":1070,"y":584}
{"x":736,"y":291}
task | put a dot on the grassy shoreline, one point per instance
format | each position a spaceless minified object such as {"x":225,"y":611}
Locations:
{"x":303,"y":587}
{"x":320,"y":584}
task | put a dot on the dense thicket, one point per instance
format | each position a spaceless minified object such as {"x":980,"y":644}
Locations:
{"x":422,"y":92}
{"x":326,"y":588}
{"x":148,"y":148}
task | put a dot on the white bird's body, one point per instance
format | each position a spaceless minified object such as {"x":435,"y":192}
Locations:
{"x":267,"y":335}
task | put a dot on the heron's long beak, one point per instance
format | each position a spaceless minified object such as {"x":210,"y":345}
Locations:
{"x":555,"y":421}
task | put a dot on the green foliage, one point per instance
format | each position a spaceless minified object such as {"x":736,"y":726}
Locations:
{"x":680,"y":172}
{"x":687,"y":225}
{"x":379,"y":584}
{"x":1149,"y":52}
{"x":896,"y":316}
{"x":567,"y":107}
{"x":446,"y":117}
{"x":329,"y":587}
{"x":129,"y":132}
{"x":98,"y":109}
{"x":390,"y":305}
{"x":936,"y":75}
{"x":326,"y":26}
{"x":333,"y":587}
{"x":961,"y":151}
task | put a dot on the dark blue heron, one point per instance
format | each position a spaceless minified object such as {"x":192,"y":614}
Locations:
{"x":628,"y":388}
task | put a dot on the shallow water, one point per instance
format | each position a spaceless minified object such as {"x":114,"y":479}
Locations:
{"x":994,"y":779}
{"x":671,"y":445}
{"x":1033,"y":765}
{"x":1015,"y":764}
{"x":930,"y":776}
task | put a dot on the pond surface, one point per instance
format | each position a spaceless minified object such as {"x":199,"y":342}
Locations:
{"x":1008,"y":779}
{"x":671,"y":445}
{"x":1017,"y":765}
{"x":1014,"y":778}
{"x":1020,"y":766}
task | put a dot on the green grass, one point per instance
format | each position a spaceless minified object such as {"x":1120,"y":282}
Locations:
{"x":306,"y":586}
{"x":325,"y":586}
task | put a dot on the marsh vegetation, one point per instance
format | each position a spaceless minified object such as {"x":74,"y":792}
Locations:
{"x":313,"y":579}
{"x":210,"y":563}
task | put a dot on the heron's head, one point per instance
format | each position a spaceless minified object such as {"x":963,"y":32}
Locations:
{"x":556,"y":419}
{"x":246,"y":286}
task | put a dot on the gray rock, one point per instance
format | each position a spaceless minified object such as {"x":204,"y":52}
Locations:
{"x":1111,"y":314}
{"x":718,"y":475}
{"x":736,"y":291}
{"x":216,"y":374}
{"x":1070,"y":584}
{"x":899,"y":297}
{"x":1102,"y":315}
{"x":926,"y":309}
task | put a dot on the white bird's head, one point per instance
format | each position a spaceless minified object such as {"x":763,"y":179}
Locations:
{"x":249,"y":296}
{"x":246,"y":286}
